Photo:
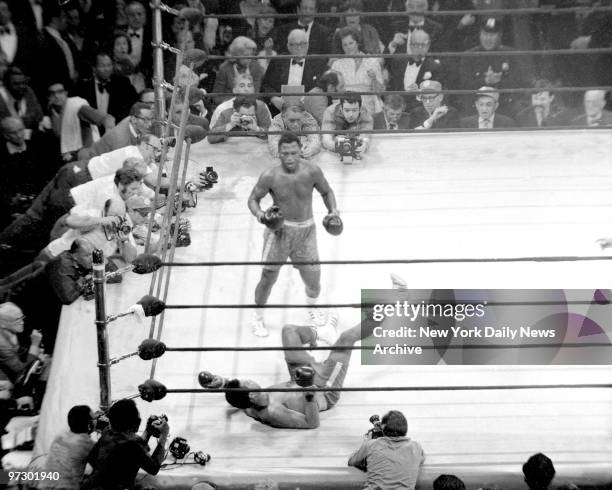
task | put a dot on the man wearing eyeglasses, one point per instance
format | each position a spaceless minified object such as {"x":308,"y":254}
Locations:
{"x":297,"y":71}
{"x":433,"y":113}
{"x":128,"y":132}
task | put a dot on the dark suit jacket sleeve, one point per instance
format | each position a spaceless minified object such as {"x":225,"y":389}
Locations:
{"x":63,"y":285}
{"x":123,"y":96}
{"x":222,"y":84}
{"x":271,"y":80}
{"x":502,"y":121}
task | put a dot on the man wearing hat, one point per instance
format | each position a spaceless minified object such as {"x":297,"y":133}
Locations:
{"x":487,"y":102}
{"x":432,"y":113}
{"x":494,"y":70}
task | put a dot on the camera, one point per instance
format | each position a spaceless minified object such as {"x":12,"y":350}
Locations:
{"x":245,"y":120}
{"x":209,"y":177}
{"x":201,"y":458}
{"x":87,"y":290}
{"x":377,"y":430}
{"x":99,"y":422}
{"x":179,"y":447}
{"x":119,"y":230}
{"x":183,"y":238}
{"x":346,"y":146}
{"x":153,"y":424}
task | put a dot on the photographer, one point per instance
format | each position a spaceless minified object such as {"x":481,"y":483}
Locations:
{"x":109,"y":231}
{"x":120,"y":452}
{"x":390,"y":459}
{"x":240,"y":118}
{"x":347,"y":116}
{"x":68,"y":452}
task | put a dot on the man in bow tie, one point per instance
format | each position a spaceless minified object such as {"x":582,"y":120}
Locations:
{"x":407,"y":73}
{"x":297,"y":71}
{"x":594,"y":113}
{"x":405,"y":30}
{"x":318,"y":36}
{"x":107,"y":91}
{"x":140,"y":37}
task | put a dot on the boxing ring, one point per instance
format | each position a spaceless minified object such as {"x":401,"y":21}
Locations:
{"x":426,"y":196}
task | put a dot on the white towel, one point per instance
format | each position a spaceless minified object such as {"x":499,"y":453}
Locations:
{"x":71,"y":137}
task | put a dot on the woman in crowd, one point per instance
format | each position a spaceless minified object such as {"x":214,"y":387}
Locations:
{"x":122,"y":47}
{"x":371,"y":43}
{"x":241,"y":46}
{"x":326,"y":85}
{"x":359,"y":74}
{"x":261,"y":35}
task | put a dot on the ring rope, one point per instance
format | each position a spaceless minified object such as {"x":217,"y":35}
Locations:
{"x":414,"y":131}
{"x":427,"y":13}
{"x":466,"y":260}
{"x":524,"y":90}
{"x":433,"y":54}
{"x":364,"y":305}
{"x":393,"y":388}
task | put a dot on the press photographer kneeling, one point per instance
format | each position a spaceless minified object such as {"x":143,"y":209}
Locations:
{"x":390,"y":459}
{"x":120,"y":452}
{"x":347,"y":118}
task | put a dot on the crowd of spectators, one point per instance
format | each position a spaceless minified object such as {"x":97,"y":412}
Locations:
{"x":76,"y":113}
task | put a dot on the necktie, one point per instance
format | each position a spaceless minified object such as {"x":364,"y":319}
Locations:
{"x":412,"y":28}
{"x":304,"y":28}
{"x":102,"y":87}
{"x":134,"y":34}
{"x":486,"y":124}
{"x":392,"y":126}
{"x":17,"y":105}
{"x":4,"y":31}
{"x":412,"y":61}
{"x":296,"y":62}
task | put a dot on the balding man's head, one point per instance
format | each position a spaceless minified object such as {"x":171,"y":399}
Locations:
{"x":419,"y":43}
{"x":297,"y":43}
{"x":13,"y":130}
{"x":243,"y":84}
{"x":594,"y":102}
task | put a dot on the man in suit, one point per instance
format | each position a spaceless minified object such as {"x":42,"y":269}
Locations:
{"x":127,"y":132}
{"x":497,"y":71}
{"x":393,"y":115}
{"x":56,"y":60}
{"x":17,"y":99}
{"x":107,"y":91}
{"x":407,"y":72}
{"x":594,"y":113}
{"x":432,"y":113}
{"x":317,"y":35}
{"x":543,"y":111}
{"x":487,"y":102}
{"x":295,"y":71}
{"x":140,"y":38}
{"x":404,"y":30}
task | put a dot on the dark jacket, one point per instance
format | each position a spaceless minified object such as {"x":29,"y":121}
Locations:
{"x":122,"y":95}
{"x":499,"y":121}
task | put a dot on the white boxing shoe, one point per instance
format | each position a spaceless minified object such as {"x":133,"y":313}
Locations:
{"x":327,"y":334}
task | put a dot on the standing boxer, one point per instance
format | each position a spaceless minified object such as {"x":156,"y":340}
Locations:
{"x":290,"y":229}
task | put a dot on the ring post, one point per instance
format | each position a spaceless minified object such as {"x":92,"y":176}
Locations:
{"x":160,"y":103}
{"x":101,"y":322}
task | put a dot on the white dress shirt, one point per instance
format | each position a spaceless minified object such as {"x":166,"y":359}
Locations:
{"x":136,"y":38}
{"x":296,"y":72}
{"x":102,"y":98}
{"x":411,"y":74}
